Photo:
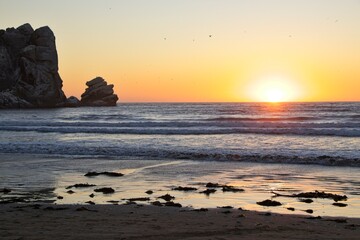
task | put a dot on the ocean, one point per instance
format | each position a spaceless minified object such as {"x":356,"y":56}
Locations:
{"x":262,"y":147}
{"x":311,"y":133}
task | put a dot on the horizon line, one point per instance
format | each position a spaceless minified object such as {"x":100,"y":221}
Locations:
{"x":355,"y":101}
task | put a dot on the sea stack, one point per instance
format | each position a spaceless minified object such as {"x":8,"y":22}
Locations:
{"x":29,"y":68}
{"x":29,"y":75}
{"x":99,"y":93}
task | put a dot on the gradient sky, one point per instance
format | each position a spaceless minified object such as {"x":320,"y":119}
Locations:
{"x":161,"y":50}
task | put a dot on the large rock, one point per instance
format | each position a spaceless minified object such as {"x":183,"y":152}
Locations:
{"x":29,"y":68}
{"x":99,"y":93}
{"x":72,"y":102}
{"x":9,"y":100}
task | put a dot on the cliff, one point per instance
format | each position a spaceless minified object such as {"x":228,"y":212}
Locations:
{"x":29,"y":68}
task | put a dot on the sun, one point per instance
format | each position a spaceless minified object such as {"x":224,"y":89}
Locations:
{"x":273,"y":88}
{"x":274,"y":95}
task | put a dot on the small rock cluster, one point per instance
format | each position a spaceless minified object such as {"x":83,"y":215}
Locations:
{"x":99,"y":93}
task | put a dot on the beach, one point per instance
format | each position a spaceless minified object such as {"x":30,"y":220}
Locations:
{"x":116,"y":165}
{"x":22,"y":221}
{"x":49,"y":201}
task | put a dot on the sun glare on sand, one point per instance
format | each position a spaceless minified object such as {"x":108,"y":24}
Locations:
{"x":273,"y":89}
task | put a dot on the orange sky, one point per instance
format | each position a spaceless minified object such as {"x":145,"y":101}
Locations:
{"x":162,"y":50}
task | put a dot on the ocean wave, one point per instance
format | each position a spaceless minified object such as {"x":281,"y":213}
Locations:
{"x":342,"y":132}
{"x":198,"y":127}
{"x":190,"y":130}
{"x":280,"y":133}
{"x":355,"y":116}
{"x":319,"y":160}
{"x":195,"y":155}
{"x":219,"y":122}
{"x":259,"y":119}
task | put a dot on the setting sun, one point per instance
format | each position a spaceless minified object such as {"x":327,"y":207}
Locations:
{"x":274,"y":88}
{"x":274,"y":95}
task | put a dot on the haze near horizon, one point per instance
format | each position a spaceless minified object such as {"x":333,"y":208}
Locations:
{"x":205,"y":50}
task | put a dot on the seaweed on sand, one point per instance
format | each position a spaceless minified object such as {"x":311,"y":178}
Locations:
{"x":315,"y":194}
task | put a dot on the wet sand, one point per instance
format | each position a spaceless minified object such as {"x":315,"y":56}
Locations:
{"x":26,"y":221}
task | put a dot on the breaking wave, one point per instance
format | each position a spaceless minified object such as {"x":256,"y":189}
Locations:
{"x":156,"y":153}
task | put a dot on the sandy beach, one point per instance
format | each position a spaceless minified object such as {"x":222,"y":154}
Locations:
{"x":21,"y":221}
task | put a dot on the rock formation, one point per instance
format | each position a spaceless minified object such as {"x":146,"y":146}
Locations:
{"x":29,"y":68}
{"x":29,"y":75}
{"x":99,"y":93}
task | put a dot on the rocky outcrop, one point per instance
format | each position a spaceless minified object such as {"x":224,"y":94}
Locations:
{"x":29,"y":68}
{"x":29,"y":75}
{"x":72,"y":102}
{"x":9,"y":100}
{"x":99,"y":93}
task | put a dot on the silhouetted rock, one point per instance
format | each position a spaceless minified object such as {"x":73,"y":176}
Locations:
{"x":315,"y":194}
{"x":81,"y":185}
{"x":232,"y":189}
{"x":140,"y":199}
{"x":172,"y":204}
{"x":185,"y":189}
{"x":226,"y":207}
{"x":307,"y":200}
{"x":109,"y":174}
{"x":309,"y":211}
{"x":214,"y":185}
{"x":167,"y":197}
{"x":208,"y":191}
{"x":105,"y":190}
{"x":157,"y":203}
{"x":72,"y":102}
{"x":99,"y":93}
{"x":29,"y":68}
{"x":339,"y":204}
{"x":29,"y":76}
{"x":269,"y":203}
{"x":8,"y":99}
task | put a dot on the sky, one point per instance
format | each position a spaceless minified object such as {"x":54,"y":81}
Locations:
{"x":203,"y":50}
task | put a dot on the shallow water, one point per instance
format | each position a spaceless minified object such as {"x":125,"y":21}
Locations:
{"x":31,"y":173}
